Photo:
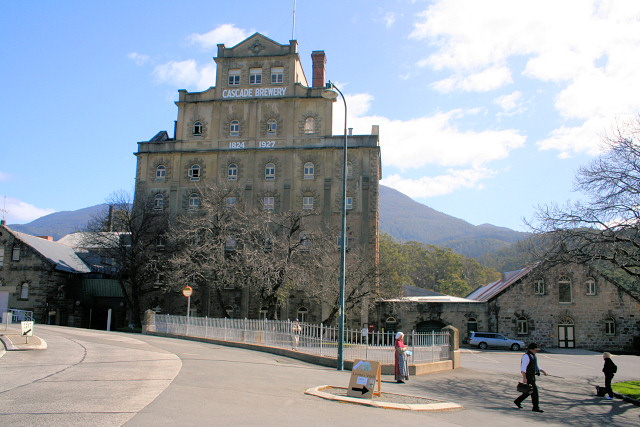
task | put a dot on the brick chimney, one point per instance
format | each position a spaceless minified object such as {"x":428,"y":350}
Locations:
{"x":319,"y":60}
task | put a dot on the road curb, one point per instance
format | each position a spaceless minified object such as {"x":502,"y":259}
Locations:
{"x":14,"y":342}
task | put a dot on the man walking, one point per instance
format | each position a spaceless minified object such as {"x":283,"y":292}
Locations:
{"x":529,"y":369}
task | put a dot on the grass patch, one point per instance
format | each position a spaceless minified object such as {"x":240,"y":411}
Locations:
{"x":628,"y":388}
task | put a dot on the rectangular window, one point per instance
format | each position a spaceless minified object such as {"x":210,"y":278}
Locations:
{"x":307,"y":203}
{"x":24,"y":291}
{"x":277,"y":75}
{"x":609,"y":327}
{"x":234,"y":77}
{"x":15,"y":255}
{"x":255,"y":76}
{"x":564,"y":292}
{"x":269,"y":203}
{"x":539,"y":287}
{"x":591,"y":287}
{"x":349,"y":203}
{"x":1,"y":256}
{"x":230,"y":201}
{"x":523,"y":327}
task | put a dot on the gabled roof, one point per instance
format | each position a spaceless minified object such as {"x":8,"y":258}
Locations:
{"x":414,"y":291}
{"x":434,"y":298}
{"x":487,"y":292}
{"x":62,"y":256}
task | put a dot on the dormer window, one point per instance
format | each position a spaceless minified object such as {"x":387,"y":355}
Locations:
{"x":255,"y":76}
{"x":197,"y":128}
{"x":234,"y":77}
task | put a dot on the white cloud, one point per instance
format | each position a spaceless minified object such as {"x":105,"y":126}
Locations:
{"x":4,"y":176}
{"x":511,"y":102}
{"x":228,"y":34}
{"x":440,"y":185}
{"x":413,"y":145}
{"x":19,"y":212}
{"x":484,"y":81}
{"x":186,"y":74}
{"x":138,"y":58}
{"x":589,"y":49}
{"x":389,"y":19}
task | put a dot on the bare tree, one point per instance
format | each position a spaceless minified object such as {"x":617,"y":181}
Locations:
{"x":131,"y":235}
{"x":604,"y":228}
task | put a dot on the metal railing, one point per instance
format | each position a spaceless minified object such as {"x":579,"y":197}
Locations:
{"x":312,"y":339}
{"x":20,"y":315}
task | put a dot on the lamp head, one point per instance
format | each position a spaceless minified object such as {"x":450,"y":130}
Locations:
{"x":328,"y":91}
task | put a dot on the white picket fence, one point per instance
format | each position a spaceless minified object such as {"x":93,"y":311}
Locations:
{"x":312,"y":339}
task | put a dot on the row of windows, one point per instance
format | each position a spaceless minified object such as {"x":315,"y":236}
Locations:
{"x":232,"y":171}
{"x":268,"y":202}
{"x":565,"y":293}
{"x":523,"y":326}
{"x":255,"y":76}
{"x":271,"y":129}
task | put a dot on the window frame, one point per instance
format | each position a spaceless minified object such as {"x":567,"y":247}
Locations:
{"x":609,"y":327}
{"x":302,"y":313}
{"x":158,"y":202}
{"x":234,"y":77}
{"x":234,"y":128}
{"x":522,"y":326}
{"x":307,"y":202}
{"x":230,"y":201}
{"x":562,"y":282}
{"x":194,"y":202}
{"x":308,"y":170}
{"x":24,"y":291}
{"x":591,"y":286}
{"x":15,"y":253}
{"x":1,"y":256}
{"x":269,"y":203}
{"x":270,"y":171}
{"x":194,"y":172}
{"x":277,"y":75}
{"x":349,"y":170}
{"x":255,"y":76}
{"x":538,"y":287}
{"x":161,"y":172}
{"x":197,"y":128}
{"x":272,"y":127}
{"x":349,"y":204}
{"x":309,"y":126}
{"x":232,"y":172}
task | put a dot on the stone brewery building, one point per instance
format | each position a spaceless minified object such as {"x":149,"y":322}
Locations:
{"x":265,"y":129}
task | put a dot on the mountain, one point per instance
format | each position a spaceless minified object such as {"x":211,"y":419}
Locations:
{"x":400,"y":216}
{"x":406,"y":220}
{"x":59,"y":224}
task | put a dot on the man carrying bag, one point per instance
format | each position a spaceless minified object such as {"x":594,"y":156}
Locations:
{"x":529,"y":369}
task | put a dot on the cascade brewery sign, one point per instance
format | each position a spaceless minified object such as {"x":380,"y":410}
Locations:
{"x":254,"y":92}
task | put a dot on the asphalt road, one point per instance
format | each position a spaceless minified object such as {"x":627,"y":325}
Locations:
{"x":98,"y":378}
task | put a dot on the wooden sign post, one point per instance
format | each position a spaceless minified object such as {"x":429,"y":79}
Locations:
{"x":364,"y":375}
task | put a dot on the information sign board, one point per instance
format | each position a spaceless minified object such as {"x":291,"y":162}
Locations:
{"x":27,"y":328}
{"x":364,"y":375}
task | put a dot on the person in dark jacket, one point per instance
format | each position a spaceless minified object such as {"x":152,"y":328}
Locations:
{"x":609,"y":370}
{"x":529,"y":368}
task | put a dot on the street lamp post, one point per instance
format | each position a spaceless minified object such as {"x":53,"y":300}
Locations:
{"x":330,"y":94}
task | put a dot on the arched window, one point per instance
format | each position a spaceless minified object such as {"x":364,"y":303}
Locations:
{"x":609,"y":327}
{"x":302,"y":314}
{"x":269,"y":203}
{"x":270,"y":171}
{"x":197,"y":128}
{"x":194,"y":172}
{"x":161,"y":171}
{"x":158,"y":202}
{"x":24,"y":291}
{"x":234,"y":128}
{"x":308,"y":170}
{"x":564,"y":290}
{"x":194,"y":202}
{"x":591,"y":286}
{"x":349,"y":170}
{"x":390,"y":326}
{"x":523,"y":326}
{"x":272,"y":127}
{"x":232,"y":172}
{"x":309,"y":125}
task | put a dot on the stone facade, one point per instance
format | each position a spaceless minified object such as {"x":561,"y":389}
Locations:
{"x":264,"y":130}
{"x":567,"y":306}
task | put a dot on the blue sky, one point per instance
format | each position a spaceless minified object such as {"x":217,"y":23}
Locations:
{"x":486,"y":109}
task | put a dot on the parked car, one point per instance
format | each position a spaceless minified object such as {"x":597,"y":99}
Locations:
{"x":491,"y":339}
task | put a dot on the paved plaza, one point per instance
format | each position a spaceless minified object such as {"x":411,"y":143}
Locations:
{"x":102,"y":378}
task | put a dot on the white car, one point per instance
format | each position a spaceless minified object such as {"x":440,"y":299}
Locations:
{"x":492,"y":339}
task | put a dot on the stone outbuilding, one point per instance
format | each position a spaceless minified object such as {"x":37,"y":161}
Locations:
{"x":568,"y":306}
